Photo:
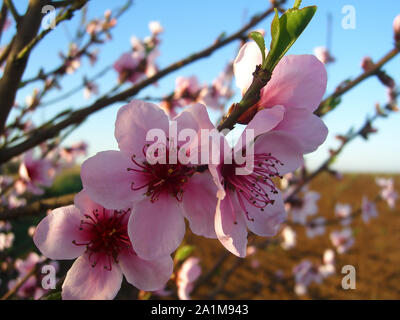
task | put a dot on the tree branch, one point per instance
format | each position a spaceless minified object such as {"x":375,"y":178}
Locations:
{"x":37,"y":207}
{"x":324,"y":106}
{"x":15,"y":67}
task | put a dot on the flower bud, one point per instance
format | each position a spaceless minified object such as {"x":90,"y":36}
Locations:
{"x":396,"y":28}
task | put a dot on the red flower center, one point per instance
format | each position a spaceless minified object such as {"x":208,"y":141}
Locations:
{"x":107,"y":234}
{"x":256,"y":187}
{"x":162,"y":178}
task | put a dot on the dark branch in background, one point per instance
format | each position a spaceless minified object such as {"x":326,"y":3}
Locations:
{"x":13,"y":10}
{"x":3,"y":17}
{"x":21,"y":282}
{"x":80,"y":115}
{"x":67,"y":15}
{"x":326,"y":105}
{"x":27,"y":30}
{"x":37,"y":207}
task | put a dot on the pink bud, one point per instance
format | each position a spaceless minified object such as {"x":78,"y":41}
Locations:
{"x":367,"y":64}
{"x":396,"y":28}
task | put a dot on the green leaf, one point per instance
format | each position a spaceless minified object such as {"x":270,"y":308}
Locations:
{"x":183,"y":252}
{"x":285,"y":31}
{"x":259,"y":39}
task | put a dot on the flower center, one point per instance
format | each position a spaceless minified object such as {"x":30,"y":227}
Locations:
{"x":107,"y":235}
{"x":256,"y":187}
{"x":162,"y":178}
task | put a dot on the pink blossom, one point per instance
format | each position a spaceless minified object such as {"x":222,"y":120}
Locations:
{"x":289,"y":238}
{"x":342,"y":240}
{"x":186,"y":276}
{"x":297,"y":85}
{"x":72,"y":62}
{"x":305,"y":207}
{"x":129,"y":68}
{"x":367,"y":64}
{"x":251,"y":200}
{"x":30,"y":287}
{"x":343,"y":212}
{"x":6,"y":240}
{"x":69,"y":154}
{"x":161,"y":194}
{"x":369,"y":210}
{"x":213,"y":96}
{"x":305,"y":273}
{"x":396,"y":28}
{"x":387,"y":191}
{"x":328,"y":266}
{"x":32,"y":101}
{"x":251,"y":250}
{"x":323,"y":55}
{"x":155,"y":27}
{"x":90,"y":88}
{"x":99,"y":238}
{"x":13,"y":200}
{"x":34,"y":174}
{"x":186,"y":90}
{"x":316,"y":227}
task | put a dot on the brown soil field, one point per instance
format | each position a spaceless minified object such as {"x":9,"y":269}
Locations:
{"x":375,"y":254}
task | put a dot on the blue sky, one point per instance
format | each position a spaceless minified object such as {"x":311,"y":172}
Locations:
{"x":192,"y":25}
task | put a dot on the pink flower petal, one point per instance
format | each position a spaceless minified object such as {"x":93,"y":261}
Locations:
{"x":245,"y":64}
{"x":134,"y":121}
{"x":199,"y":112}
{"x":199,"y":202}
{"x":84,"y":282}
{"x":283,"y":147}
{"x":145,"y":275}
{"x":85,"y":204}
{"x":309,"y":129}
{"x":157,"y":228}
{"x":107,"y":181}
{"x":266,"y":223}
{"x":298,"y":81}
{"x":264,"y":121}
{"x":55,"y":233}
{"x":230,"y":227}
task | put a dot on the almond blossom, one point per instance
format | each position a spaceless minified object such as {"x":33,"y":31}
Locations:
{"x":369,"y":210}
{"x":35,"y":174}
{"x":98,"y":238}
{"x":328,"y":266}
{"x":31,"y":287}
{"x":323,"y":55}
{"x":155,"y":27}
{"x":252,"y":200}
{"x":129,"y":67}
{"x":316,"y":227}
{"x":297,"y":85}
{"x":343,"y":212}
{"x":387,"y":191}
{"x":161,"y":194}
{"x":186,"y":90}
{"x":305,"y":273}
{"x":304,"y":207}
{"x":342,"y":240}
{"x":289,"y":238}
{"x":396,"y":28}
